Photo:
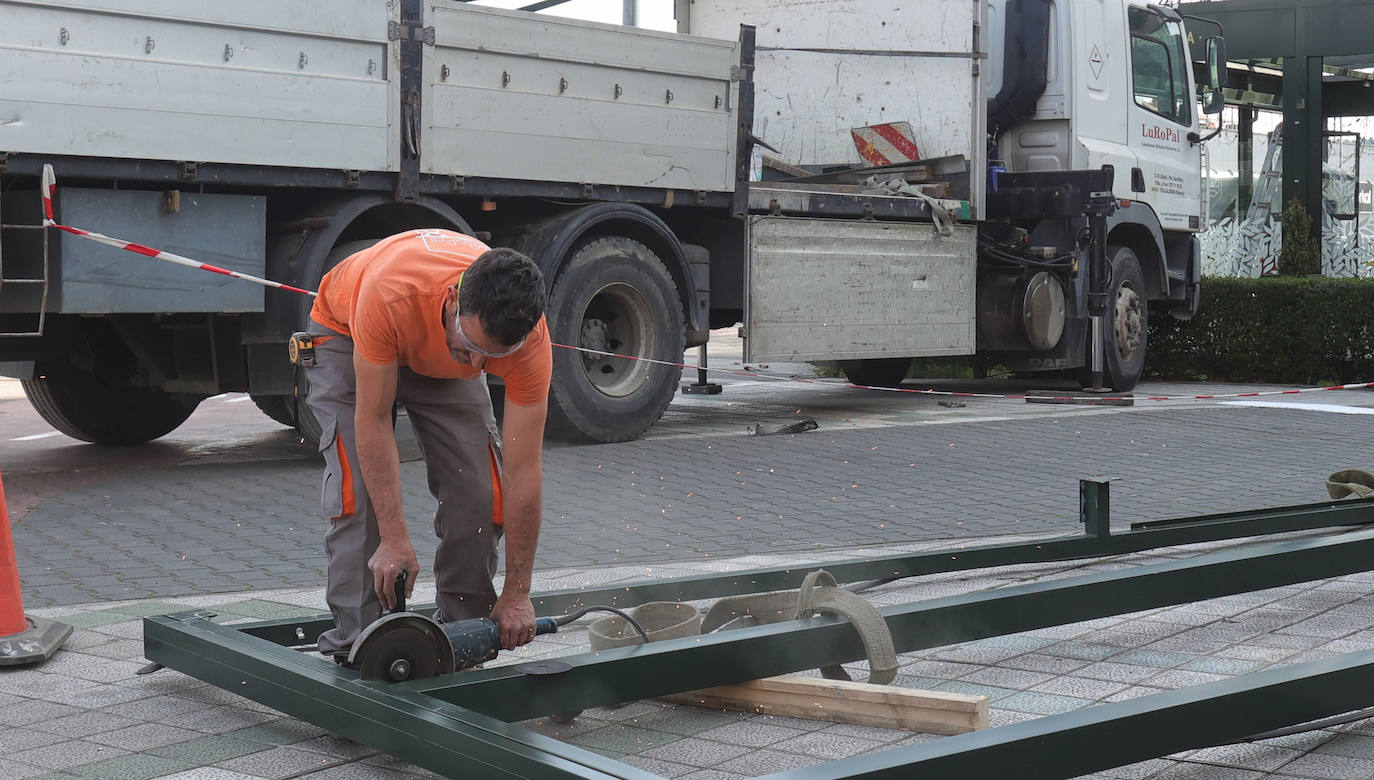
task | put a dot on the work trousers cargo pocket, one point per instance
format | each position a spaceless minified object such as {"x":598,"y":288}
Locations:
{"x":336,"y":489}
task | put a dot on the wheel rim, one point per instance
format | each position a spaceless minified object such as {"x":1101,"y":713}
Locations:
{"x":1129,"y":322}
{"x":618,"y":319}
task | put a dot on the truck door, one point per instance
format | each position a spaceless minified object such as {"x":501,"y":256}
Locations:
{"x":1163,"y":111}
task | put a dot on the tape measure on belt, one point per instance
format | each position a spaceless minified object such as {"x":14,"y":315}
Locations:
{"x":301,"y":347}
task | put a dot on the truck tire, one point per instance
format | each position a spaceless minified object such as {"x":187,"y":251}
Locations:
{"x":876,"y":372}
{"x":88,"y":407}
{"x":307,"y":425}
{"x":613,"y":294}
{"x":279,"y":407}
{"x":1125,"y":334}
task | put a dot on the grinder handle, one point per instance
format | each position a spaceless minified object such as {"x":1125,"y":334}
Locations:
{"x":545,"y":625}
{"x":401,"y":591}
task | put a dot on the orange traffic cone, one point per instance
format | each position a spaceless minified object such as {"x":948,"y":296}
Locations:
{"x":23,"y":640}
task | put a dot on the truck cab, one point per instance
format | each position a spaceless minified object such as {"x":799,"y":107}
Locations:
{"x":1118,"y":91}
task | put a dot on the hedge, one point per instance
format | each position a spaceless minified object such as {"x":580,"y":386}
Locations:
{"x":1288,"y":330}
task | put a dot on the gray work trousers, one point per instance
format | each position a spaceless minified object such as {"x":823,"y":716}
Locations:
{"x":457,"y":435}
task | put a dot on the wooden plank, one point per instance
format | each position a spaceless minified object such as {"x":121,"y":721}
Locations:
{"x":769,"y":161}
{"x":842,"y":701}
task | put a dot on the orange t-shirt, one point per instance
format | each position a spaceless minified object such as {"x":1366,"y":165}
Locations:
{"x":389,"y":299}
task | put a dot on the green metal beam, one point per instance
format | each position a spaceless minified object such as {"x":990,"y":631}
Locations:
{"x":1143,"y":536}
{"x":1348,"y":98}
{"x":426,"y":732}
{"x":1256,"y":29}
{"x":1110,"y":735}
{"x":721,"y":658}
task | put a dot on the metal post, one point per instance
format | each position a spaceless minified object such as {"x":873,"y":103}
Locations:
{"x":1245,"y":164}
{"x":410,"y":37}
{"x":1095,"y":506}
{"x":1099,"y":279}
{"x":1302,"y":135}
{"x":701,"y":386}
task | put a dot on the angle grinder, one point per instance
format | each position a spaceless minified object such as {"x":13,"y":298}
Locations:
{"x":405,"y":645}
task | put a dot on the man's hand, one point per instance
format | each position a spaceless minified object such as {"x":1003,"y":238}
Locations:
{"x":392,"y":558}
{"x":515,"y":614}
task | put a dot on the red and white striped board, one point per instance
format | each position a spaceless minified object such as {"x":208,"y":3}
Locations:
{"x":886,"y":144}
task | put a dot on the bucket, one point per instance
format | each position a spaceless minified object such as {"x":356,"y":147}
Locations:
{"x":660,"y":619}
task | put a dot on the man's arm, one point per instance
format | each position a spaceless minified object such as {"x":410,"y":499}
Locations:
{"x":522,"y":489}
{"x":381,"y":468}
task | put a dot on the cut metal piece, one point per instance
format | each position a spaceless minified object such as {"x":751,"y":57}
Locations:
{"x":402,"y":646}
{"x":542,"y":667}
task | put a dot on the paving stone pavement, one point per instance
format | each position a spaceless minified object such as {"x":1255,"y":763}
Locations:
{"x":83,"y":714}
{"x":241,"y":526}
{"x":699,"y":495}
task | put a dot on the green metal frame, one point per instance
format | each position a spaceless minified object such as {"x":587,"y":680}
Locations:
{"x":1107,"y":735}
{"x":459,"y":724}
{"x":1097,"y":540}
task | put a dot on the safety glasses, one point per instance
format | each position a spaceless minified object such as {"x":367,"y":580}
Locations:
{"x":466,"y":343}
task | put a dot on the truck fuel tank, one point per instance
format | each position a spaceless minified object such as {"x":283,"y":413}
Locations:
{"x":1016,"y":312}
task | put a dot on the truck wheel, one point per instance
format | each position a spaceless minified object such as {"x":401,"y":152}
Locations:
{"x":613,"y":295}
{"x":1124,"y":337}
{"x":876,"y":372}
{"x":279,"y":407}
{"x":91,"y":408}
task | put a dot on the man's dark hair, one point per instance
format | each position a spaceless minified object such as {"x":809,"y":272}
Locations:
{"x":505,"y":290}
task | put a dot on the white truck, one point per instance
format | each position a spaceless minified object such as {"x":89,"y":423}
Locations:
{"x":1056,"y":177}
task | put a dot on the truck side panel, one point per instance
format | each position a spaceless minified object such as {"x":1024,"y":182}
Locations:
{"x":225,"y":230}
{"x":257,"y":83}
{"x":822,"y":289}
{"x":551,"y":99}
{"x":826,"y":67}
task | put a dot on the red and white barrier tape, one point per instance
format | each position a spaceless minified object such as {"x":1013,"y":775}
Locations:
{"x":1000,"y":396}
{"x":49,"y":187}
{"x":1039,"y":397}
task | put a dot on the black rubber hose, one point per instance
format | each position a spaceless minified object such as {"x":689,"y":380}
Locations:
{"x":563,"y":620}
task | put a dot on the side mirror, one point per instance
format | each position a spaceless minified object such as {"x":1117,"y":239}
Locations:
{"x":1214,"y":102}
{"x":1216,"y":62}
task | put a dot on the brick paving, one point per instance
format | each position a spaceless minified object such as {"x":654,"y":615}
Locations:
{"x":104,"y":549}
{"x":240,"y":526}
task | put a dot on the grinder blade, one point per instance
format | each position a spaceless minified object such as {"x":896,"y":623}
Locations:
{"x":402,"y":646}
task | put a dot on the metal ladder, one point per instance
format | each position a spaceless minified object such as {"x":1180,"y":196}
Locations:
{"x":1271,"y":176}
{"x":18,"y":290}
